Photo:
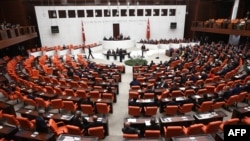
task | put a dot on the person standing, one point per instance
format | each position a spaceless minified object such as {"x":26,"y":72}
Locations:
{"x":90,"y":53}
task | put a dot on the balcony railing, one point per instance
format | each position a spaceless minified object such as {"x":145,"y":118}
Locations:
{"x":241,"y":28}
{"x":14,"y":36}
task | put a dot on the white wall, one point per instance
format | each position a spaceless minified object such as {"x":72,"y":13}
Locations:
{"x":70,"y":29}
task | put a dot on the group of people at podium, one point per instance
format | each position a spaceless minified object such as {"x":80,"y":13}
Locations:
{"x":119,"y":52}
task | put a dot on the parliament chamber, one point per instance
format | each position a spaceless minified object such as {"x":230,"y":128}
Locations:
{"x":190,"y":89}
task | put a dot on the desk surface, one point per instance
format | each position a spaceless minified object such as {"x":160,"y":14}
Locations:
{"x":55,"y":116}
{"x":210,"y":115}
{"x":34,"y":136}
{"x":68,"y":137}
{"x":6,"y":130}
{"x":203,"y":137}
{"x":184,"y":118}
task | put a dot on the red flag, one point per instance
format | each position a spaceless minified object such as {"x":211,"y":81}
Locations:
{"x":83,"y":33}
{"x":148,"y":30}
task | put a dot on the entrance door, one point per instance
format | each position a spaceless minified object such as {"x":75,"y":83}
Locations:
{"x":116,"y":30}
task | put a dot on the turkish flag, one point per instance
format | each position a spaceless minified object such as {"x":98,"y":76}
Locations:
{"x":148,"y":31}
{"x":83,"y":33}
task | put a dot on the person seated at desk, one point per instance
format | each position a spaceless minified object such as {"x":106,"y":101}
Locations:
{"x":153,"y":125}
{"x":80,"y":121}
{"x":133,"y":102}
{"x":237,"y":89}
{"x":204,"y":99}
{"x":162,"y":84}
{"x":88,"y":101}
{"x":134,"y":82}
{"x":41,"y":123}
{"x":174,"y":87}
{"x":227,"y":93}
{"x":247,"y":87}
{"x":127,"y":129}
{"x":95,"y":122}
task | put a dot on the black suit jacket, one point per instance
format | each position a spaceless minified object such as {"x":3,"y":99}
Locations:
{"x":95,"y":124}
{"x":81,"y":124}
{"x":129,"y":130}
{"x":153,"y":127}
{"x":41,"y":125}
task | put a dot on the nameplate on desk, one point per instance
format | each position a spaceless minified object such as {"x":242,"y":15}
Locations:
{"x":41,"y":94}
{"x":65,"y":117}
{"x":247,"y":108}
{"x":99,"y":119}
{"x":147,"y":122}
{"x":69,"y":97}
{"x":184,"y":118}
{"x":99,"y":99}
{"x":50,"y":115}
{"x":87,"y":118}
{"x":68,"y":138}
{"x":1,"y":127}
{"x":182,"y":88}
{"x":167,"y":119}
{"x":29,"y":111}
{"x":131,"y":119}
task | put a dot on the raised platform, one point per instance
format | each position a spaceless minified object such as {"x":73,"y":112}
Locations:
{"x":114,"y":44}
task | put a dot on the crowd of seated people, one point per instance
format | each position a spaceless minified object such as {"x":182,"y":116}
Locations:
{"x":119,"y":37}
{"x":6,"y":25}
{"x":200,"y":63}
{"x":167,"y":41}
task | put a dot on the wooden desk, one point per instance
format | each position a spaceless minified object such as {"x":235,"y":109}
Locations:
{"x":205,"y":118}
{"x":7,"y":108}
{"x":45,"y":95}
{"x":31,"y":136}
{"x":71,"y":98}
{"x":139,"y":123}
{"x":179,"y":100}
{"x":202,"y":137}
{"x":185,"y":120}
{"x":103,"y":100}
{"x":31,"y":114}
{"x":67,"y":137}
{"x":7,"y":131}
{"x":104,"y":121}
{"x":241,"y":112}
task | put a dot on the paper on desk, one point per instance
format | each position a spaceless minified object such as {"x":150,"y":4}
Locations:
{"x":147,"y":122}
{"x":131,"y":120}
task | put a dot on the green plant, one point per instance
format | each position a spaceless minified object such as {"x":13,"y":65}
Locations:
{"x":135,"y":61}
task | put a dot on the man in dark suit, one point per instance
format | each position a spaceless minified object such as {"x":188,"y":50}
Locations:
{"x":90,"y":53}
{"x":153,"y":125}
{"x":227,"y":93}
{"x":134,"y":82}
{"x":127,"y":129}
{"x":88,"y":101}
{"x":79,"y":121}
{"x":95,"y":122}
{"x":41,"y":124}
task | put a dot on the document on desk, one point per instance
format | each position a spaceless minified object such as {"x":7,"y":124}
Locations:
{"x":147,"y":122}
{"x":131,"y":119}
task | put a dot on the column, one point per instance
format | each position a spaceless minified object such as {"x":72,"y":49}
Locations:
{"x":234,"y":39}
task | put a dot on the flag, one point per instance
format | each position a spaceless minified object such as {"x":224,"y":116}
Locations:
{"x":83,"y":34}
{"x":148,"y":31}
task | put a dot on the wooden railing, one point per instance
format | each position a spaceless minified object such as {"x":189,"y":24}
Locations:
{"x":14,"y":36}
{"x":221,"y":26}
